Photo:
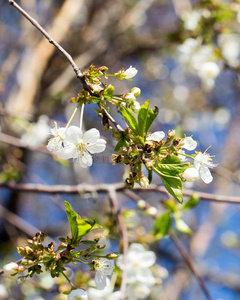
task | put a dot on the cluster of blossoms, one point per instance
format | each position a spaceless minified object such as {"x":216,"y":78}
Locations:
{"x":72,"y":143}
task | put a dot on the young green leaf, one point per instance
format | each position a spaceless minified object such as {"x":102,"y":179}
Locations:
{"x":151,"y":116}
{"x":142,"y":118}
{"x":173,"y":184}
{"x":182,"y":226}
{"x":162,"y":225}
{"x":79,"y":227}
{"x":172,"y":165}
{"x":130,"y":119}
{"x":192,"y":201}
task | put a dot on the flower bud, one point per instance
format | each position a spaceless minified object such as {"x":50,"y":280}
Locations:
{"x":151,"y":211}
{"x":144,"y":182}
{"x":190,"y":174}
{"x":136,"y":106}
{"x":141,"y":204}
{"x":10,"y":268}
{"x":112,"y":255}
{"x":136,"y":91}
{"x":130,"y":72}
{"x":129,"y":97}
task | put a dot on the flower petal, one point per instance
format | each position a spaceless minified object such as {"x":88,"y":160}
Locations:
{"x":100,"y":280}
{"x":67,"y":152}
{"x":189,"y":143}
{"x":156,"y":136}
{"x":85,"y":160}
{"x":91,"y":136}
{"x":73,"y":134}
{"x":97,"y":147}
{"x":205,"y":174}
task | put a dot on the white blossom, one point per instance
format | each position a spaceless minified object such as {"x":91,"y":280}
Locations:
{"x":55,"y":144}
{"x":103,"y":267}
{"x":78,"y":294}
{"x":130,"y":72}
{"x":136,"y":91}
{"x":80,"y":146}
{"x":189,"y":143}
{"x":138,"y":263}
{"x":230,"y":46}
{"x":191,"y":174}
{"x":202,"y":162}
{"x":138,"y":290}
{"x":135,"y":106}
{"x":129,"y":97}
{"x":144,"y":182}
{"x":156,"y":136}
{"x":105,"y":294}
{"x":207,"y":72}
{"x":37,"y":133}
{"x":191,"y":19}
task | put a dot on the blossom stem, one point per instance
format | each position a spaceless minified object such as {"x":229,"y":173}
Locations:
{"x":70,"y":282}
{"x":81,"y":117}
{"x":190,"y":156}
{"x":72,"y":116}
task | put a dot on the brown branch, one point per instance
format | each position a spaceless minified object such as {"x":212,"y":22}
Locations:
{"x":104,"y":188}
{"x":113,"y":197}
{"x":190,"y":264}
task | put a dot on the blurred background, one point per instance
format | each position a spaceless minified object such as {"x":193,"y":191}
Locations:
{"x":188,"y":57}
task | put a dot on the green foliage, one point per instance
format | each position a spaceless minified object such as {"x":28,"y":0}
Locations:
{"x":130,"y":119}
{"x":162,"y":225}
{"x":192,"y":201}
{"x":79,"y":227}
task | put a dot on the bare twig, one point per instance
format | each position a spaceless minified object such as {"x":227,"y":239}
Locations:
{"x":190,"y":263}
{"x":104,"y":188}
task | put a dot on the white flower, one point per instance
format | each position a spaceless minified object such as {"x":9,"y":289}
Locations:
{"x":78,"y":145}
{"x":129,"y":97}
{"x":105,"y":294}
{"x":207,"y":72}
{"x":135,"y":106}
{"x":191,"y":174}
{"x":103,"y":267}
{"x":230,"y":46}
{"x":191,"y":19}
{"x":138,"y":263}
{"x":37,"y":133}
{"x":10,"y":268}
{"x":78,"y":294}
{"x":202,"y":162}
{"x":56,"y":143}
{"x":138,"y":290}
{"x":156,"y":136}
{"x":136,"y":91}
{"x":130,"y":72}
{"x":189,"y":143}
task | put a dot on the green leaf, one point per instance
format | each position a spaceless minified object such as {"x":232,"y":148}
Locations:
{"x":79,"y":227}
{"x":151,"y":116}
{"x":120,"y":144}
{"x":172,"y":165}
{"x":142,"y":117}
{"x":173,"y":184}
{"x":150,"y":176}
{"x":192,"y":201}
{"x":182,"y":226}
{"x":170,"y":205}
{"x":130,"y":119}
{"x":162,"y":225}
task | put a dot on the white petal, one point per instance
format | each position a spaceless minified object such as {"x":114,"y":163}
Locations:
{"x":67,"y":152}
{"x":156,"y":136}
{"x":97,"y":147}
{"x":85,"y":160}
{"x":148,"y":258}
{"x":135,"y":247}
{"x":198,"y":161}
{"x":73,"y":134}
{"x":205,"y":174}
{"x":78,"y":294}
{"x":189,"y":143}
{"x":191,"y":174}
{"x":91,"y":136}
{"x":100,"y":280}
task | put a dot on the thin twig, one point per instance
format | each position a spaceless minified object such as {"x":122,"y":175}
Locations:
{"x":104,"y":188}
{"x":190,"y":263}
{"x":113,"y":197}
{"x":179,"y":245}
